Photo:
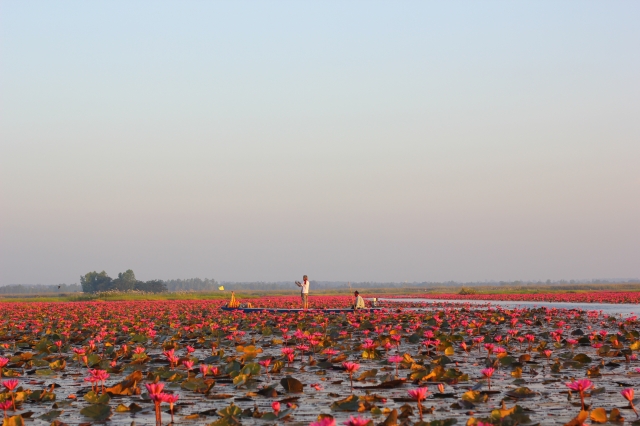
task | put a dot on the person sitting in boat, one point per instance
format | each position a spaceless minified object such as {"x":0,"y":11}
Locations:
{"x":359,"y":301}
{"x":304,"y":291}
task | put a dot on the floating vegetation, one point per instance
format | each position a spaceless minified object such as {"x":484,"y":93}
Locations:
{"x":156,"y":362}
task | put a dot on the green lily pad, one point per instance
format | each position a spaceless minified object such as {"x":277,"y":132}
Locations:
{"x":231,"y":411}
{"x":251,"y":369}
{"x":522,"y":392}
{"x":583,"y":358}
{"x":367,"y":375}
{"x":507,"y":360}
{"x":350,"y":403}
{"x":51,"y":415}
{"x":97,"y":412}
{"x":94,"y":398}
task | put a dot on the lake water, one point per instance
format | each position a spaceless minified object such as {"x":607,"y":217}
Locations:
{"x":626,"y":309}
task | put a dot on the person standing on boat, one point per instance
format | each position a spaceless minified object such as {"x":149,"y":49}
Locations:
{"x":304,"y":291}
{"x":359,"y":301}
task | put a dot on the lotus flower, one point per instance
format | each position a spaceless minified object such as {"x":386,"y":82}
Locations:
{"x":330,"y":352}
{"x":628,"y":395}
{"x":488,"y":372}
{"x":396,"y":359}
{"x":419,"y":394}
{"x":171,"y":399}
{"x":158,"y":399}
{"x":351,"y":367}
{"x":356,"y":421}
{"x":154,"y":388}
{"x":266,"y":363}
{"x":5,"y":405}
{"x":10,"y":385}
{"x":580,"y":386}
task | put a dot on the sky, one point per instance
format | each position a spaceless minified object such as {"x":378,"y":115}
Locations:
{"x":358,"y":140}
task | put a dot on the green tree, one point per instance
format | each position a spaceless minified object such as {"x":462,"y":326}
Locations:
{"x":93,"y":282}
{"x":125,"y":281}
{"x":153,"y":286}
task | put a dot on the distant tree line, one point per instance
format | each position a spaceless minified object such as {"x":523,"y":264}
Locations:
{"x":192,"y":284}
{"x":93,"y":282}
{"x":39,"y":288}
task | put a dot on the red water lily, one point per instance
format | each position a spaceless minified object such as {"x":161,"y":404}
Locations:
{"x":580,"y":386}
{"x":628,"y":395}
{"x":419,"y":394}
{"x":351,"y":367}
{"x":488,"y":372}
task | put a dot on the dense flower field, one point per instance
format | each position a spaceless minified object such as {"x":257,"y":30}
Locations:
{"x":154,"y":362}
{"x":586,"y":297}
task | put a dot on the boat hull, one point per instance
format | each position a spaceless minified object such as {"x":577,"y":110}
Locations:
{"x":283,"y":310}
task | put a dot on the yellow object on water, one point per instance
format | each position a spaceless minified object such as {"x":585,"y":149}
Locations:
{"x":233,"y":303}
{"x":221,"y":288}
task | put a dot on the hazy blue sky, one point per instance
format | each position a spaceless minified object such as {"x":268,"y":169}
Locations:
{"x":344,"y":140}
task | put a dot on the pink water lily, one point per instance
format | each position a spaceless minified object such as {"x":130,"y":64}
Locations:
{"x":330,"y":352}
{"x":171,"y":399}
{"x":204,"y":369}
{"x":266,"y":363}
{"x":10,"y":385}
{"x":357,"y":421}
{"x":5,"y":405}
{"x":351,"y":367}
{"x":94,"y":334}
{"x":154,"y":388}
{"x":324,"y":422}
{"x":396,"y":359}
{"x":628,"y":395}
{"x":580,"y":386}
{"x":419,"y":394}
{"x":157,"y":396}
{"x":488,"y":372}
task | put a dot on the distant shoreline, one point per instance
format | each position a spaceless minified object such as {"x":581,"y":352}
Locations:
{"x":396,"y":291}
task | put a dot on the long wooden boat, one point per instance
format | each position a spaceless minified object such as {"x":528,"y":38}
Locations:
{"x":283,"y":310}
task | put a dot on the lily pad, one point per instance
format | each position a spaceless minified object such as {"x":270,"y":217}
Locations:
{"x":292,"y":385}
{"x":583,"y":358}
{"x":49,"y":416}
{"x":94,"y":398}
{"x":350,"y":403}
{"x":97,"y":412}
{"x":522,"y":392}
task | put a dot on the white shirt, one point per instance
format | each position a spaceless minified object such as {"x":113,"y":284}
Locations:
{"x":360,"y":302}
{"x":304,"y":287}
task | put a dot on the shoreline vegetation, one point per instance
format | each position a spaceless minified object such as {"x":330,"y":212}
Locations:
{"x":114,"y":295}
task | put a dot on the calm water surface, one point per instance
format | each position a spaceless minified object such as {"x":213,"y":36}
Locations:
{"x":626,"y":309}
